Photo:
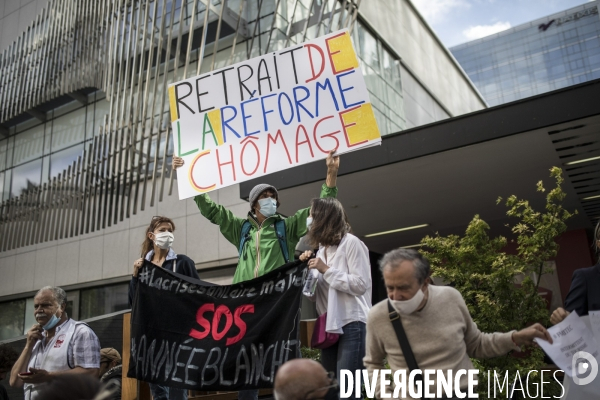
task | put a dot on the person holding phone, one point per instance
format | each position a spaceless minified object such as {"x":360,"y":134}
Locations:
{"x":56,"y":345}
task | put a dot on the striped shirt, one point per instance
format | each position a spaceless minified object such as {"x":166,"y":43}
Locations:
{"x":83,"y":350}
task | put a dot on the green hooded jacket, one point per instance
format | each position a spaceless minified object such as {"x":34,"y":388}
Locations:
{"x":261,"y":253}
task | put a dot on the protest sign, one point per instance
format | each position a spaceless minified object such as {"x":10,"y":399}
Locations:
{"x":270,"y":113}
{"x":190,"y":334}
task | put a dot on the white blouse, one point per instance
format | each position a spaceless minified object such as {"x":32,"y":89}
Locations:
{"x":344,"y":291}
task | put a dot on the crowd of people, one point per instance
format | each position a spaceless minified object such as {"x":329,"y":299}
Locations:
{"x":419,"y":325}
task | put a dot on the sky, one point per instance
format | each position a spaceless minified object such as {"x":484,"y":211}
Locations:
{"x":460,"y":21}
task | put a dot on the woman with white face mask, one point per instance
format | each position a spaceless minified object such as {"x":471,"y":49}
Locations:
{"x":157,"y":249}
{"x":343,"y":290}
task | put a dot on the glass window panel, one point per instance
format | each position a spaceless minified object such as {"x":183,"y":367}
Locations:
{"x":26,"y":176}
{"x":6,"y":187}
{"x":388,"y":65}
{"x":103,"y":300}
{"x":90,"y":127}
{"x":573,"y":49}
{"x":73,"y":304}
{"x":560,"y":83}
{"x":29,"y":145}
{"x":12,"y":318}
{"x":591,"y":45}
{"x":397,"y":81}
{"x":68,"y":130}
{"x":45,"y":170}
{"x":367,"y":47}
{"x":594,"y":60}
{"x":61,"y":160}
{"x":29,"y":315}
{"x":588,"y":29}
{"x":3,"y":155}
{"x":101,"y":109}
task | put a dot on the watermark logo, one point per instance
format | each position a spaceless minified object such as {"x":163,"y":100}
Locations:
{"x":585,"y":368}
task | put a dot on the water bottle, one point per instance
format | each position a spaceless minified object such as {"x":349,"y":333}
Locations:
{"x":311,"y":282}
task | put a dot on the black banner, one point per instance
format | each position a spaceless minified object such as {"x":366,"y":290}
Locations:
{"x":192,"y":334}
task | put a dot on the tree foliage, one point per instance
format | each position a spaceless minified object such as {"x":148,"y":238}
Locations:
{"x":501,"y":289}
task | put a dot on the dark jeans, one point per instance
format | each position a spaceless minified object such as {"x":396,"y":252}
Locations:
{"x":167,"y":393}
{"x":348,"y":352}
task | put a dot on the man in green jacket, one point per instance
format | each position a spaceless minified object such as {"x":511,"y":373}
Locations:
{"x":261,"y":252}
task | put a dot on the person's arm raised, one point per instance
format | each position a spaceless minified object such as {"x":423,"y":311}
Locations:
{"x":333,"y":165}
{"x":177,"y":162}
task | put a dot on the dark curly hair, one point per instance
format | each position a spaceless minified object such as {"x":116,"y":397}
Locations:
{"x":8,"y":356}
{"x":330,"y":223}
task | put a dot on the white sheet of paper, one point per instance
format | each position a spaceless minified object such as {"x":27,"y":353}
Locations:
{"x":570,"y":336}
{"x":595,"y":322}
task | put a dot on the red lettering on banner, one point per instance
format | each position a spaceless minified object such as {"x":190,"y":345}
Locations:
{"x":203,"y":322}
{"x":221,"y":310}
{"x":274,"y":140}
{"x":220,"y":164}
{"x":230,"y":320}
{"x":312,"y":65}
{"x":307,"y":141}
{"x":239,"y":322}
{"x":248,"y":141}
{"x":331,"y":134}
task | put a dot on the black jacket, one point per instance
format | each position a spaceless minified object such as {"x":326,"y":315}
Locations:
{"x":112,"y":379}
{"x":184,"y":266}
{"x":3,"y":393}
{"x":584,"y":294}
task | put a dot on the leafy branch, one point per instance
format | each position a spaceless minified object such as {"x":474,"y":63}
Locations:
{"x":488,"y":277}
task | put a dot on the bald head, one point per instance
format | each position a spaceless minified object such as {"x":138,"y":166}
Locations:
{"x":297,"y":377}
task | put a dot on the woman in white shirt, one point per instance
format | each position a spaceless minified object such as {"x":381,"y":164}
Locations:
{"x":344,"y":283}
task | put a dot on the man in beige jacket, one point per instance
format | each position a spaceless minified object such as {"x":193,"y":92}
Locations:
{"x":437,"y":323}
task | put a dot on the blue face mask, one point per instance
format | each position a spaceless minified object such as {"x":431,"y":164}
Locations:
{"x":52,"y":323}
{"x":268,"y":206}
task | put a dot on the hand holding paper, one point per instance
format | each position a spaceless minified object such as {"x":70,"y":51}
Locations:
{"x":528,"y":335}
{"x":570,"y":337}
{"x":558,"y":315}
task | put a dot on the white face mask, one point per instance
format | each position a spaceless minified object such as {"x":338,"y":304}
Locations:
{"x":406,"y":307}
{"x":164,"y":240}
{"x":268,"y":206}
{"x":309,"y":221}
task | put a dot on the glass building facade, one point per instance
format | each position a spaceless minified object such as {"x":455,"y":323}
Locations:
{"x":546,"y":54}
{"x":39,"y":151}
{"x":36,"y":152}
{"x":85,"y":139}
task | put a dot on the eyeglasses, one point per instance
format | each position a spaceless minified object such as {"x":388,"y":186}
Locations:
{"x":333,"y":385}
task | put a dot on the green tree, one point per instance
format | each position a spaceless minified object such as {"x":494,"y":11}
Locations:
{"x":500,"y":289}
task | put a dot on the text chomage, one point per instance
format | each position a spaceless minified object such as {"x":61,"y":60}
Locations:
{"x":270,"y":113}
